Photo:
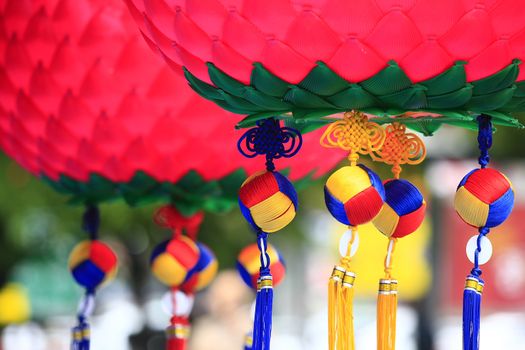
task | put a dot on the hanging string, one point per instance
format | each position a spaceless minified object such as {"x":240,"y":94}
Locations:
{"x":178,"y":332}
{"x":262,"y":327}
{"x":474,"y":284}
{"x":484,"y":139}
{"x":91,"y":221}
{"x":354,"y":195}
{"x":81,"y":333}
{"x":270,"y":139}
{"x":265,"y":211}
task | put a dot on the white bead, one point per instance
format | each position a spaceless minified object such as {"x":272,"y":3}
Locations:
{"x":343,"y":243}
{"x":183,"y":303}
{"x":486,"y":249}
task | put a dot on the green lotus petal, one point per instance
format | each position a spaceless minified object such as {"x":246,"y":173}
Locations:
{"x":379,"y":112}
{"x":453,"y":115}
{"x":304,"y":115}
{"x":450,"y":80}
{"x":389,"y":80}
{"x":514,"y":105}
{"x":265,"y":101}
{"x":227,"y":106}
{"x":471,"y":125}
{"x":225,"y":82}
{"x":322,"y":92}
{"x":323,"y":81}
{"x":454,"y":99}
{"x":499,"y":81}
{"x":425,"y":127}
{"x":252,"y":119}
{"x":520,"y":89}
{"x":489,"y":102}
{"x":240,"y":103}
{"x":140,"y":189}
{"x":408,"y":99}
{"x":503,"y":119}
{"x":353,"y":97}
{"x":305,"y":99}
{"x":202,"y":88}
{"x":303,"y":127}
{"x":267,"y":83}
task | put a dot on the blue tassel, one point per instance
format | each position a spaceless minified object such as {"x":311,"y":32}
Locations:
{"x":81,"y":334}
{"x":472,"y":300}
{"x":472,"y":312}
{"x":262,"y":325}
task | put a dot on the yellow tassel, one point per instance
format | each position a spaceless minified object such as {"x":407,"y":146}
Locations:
{"x":387,"y":305}
{"x":340,"y":305}
{"x":334,"y":290}
{"x":347,"y":320}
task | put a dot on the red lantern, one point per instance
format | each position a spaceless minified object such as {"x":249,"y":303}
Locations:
{"x":424,"y":62}
{"x":86,"y":106}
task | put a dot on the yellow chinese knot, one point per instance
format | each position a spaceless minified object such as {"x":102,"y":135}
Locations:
{"x":354,"y":133}
{"x":400,"y":148}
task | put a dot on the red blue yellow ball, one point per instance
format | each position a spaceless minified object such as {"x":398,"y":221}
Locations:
{"x":268,"y":201}
{"x":403,"y":211}
{"x":172,"y":260}
{"x":484,"y":198}
{"x":200,"y":276}
{"x":354,"y":195}
{"x":92,"y":263}
{"x":249,"y":264}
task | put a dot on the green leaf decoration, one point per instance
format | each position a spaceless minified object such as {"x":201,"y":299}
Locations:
{"x":267,"y":102}
{"x":388,"y":93}
{"x":492,"y":101}
{"x":252,"y":119}
{"x":239,"y":103}
{"x":323,"y":81}
{"x":267,"y":83}
{"x":499,"y":81}
{"x":304,"y":99}
{"x":409,"y":99}
{"x":201,"y":87}
{"x":225,"y":82}
{"x":190,"y":194}
{"x":354,"y":97}
{"x":389,"y":80}
{"x":450,"y":80}
{"x":454,"y":99}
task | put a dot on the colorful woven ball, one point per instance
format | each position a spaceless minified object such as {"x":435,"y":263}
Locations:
{"x":403,"y":211}
{"x":484,"y":198}
{"x":249,"y":264}
{"x":92,"y":263}
{"x":172,"y":260}
{"x":203,"y":273}
{"x":268,"y":201}
{"x":354,"y":195}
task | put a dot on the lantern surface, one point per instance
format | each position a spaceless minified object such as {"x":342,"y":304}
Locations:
{"x":85,"y":105}
{"x":423,"y":62}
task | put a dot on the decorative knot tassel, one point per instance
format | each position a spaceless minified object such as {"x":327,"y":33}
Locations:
{"x":346,"y":317}
{"x":81,"y":334}
{"x":262,"y":327}
{"x":334,"y":286}
{"x":340,"y":302}
{"x":177,"y":334}
{"x":386,"y":314}
{"x":387,"y":303}
{"x":471,"y":312}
